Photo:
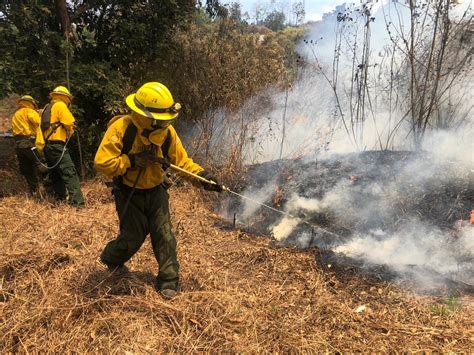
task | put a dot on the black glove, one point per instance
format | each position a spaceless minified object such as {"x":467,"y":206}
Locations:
{"x":210,"y":187}
{"x":165,"y":163}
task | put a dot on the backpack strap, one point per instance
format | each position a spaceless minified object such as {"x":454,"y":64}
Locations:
{"x":127,"y":141}
{"x":165,"y":147}
{"x":129,"y":137}
{"x":46,"y":121}
{"x":46,"y":117}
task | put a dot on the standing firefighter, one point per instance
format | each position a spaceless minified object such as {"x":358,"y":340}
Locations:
{"x":57,"y":125}
{"x":25,"y":127}
{"x":134,"y":151}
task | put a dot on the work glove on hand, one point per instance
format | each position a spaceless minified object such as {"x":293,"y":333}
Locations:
{"x":140,"y":160}
{"x":210,"y":187}
{"x":165,"y":163}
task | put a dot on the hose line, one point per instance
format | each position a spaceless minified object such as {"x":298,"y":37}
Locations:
{"x":60,"y":158}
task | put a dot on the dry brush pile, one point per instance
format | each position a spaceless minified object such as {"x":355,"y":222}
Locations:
{"x":239,"y":291}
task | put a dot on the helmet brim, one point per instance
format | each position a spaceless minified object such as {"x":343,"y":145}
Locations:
{"x":52,"y":93}
{"x":35,"y":104}
{"x":157,"y":116}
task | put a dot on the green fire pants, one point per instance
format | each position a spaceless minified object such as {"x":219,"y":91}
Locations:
{"x":63,"y":179}
{"x":147,"y":213}
{"x":27,"y":162}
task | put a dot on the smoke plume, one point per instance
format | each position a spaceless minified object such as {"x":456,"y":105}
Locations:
{"x":376,"y":204}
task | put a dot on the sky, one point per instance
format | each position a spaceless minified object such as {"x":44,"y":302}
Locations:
{"x":314,"y":8}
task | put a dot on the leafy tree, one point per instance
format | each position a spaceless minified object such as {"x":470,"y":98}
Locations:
{"x":32,"y":47}
{"x":215,"y":9}
{"x":131,"y":34}
{"x":243,"y":64}
{"x":275,"y":20}
{"x":103,"y":48}
{"x":207,"y":56}
{"x":235,"y":11}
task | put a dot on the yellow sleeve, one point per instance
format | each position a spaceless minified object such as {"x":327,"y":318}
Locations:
{"x":39,"y":142}
{"x":65,"y":117}
{"x":34,"y":118}
{"x":34,"y":121}
{"x":35,"y":124}
{"x":109,"y":159}
{"x":178,"y":155}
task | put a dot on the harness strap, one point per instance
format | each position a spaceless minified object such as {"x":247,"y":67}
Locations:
{"x":165,"y":147}
{"x":46,"y":122}
{"x":129,"y":138}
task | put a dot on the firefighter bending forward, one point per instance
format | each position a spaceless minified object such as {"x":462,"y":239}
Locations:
{"x":140,"y":194}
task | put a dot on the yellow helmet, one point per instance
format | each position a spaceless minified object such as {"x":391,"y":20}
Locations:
{"x":61,"y":90}
{"x":28,"y":98}
{"x":154,"y":100}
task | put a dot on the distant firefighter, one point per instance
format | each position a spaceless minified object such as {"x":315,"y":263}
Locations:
{"x":25,"y":127}
{"x":135,"y":151}
{"x":57,"y":126}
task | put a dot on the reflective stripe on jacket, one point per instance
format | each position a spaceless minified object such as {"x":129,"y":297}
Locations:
{"x":110,"y":161}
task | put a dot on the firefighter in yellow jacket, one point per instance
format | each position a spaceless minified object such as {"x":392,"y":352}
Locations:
{"x":25,"y":128}
{"x":137,"y":162}
{"x":57,"y":126}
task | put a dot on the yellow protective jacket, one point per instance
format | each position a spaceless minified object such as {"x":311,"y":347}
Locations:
{"x":25,"y":122}
{"x":110,"y":161}
{"x":60,"y":113}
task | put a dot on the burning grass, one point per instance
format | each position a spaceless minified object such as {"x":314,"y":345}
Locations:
{"x":240,"y":292}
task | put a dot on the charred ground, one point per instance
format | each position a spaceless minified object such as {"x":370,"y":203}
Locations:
{"x":437,"y":192}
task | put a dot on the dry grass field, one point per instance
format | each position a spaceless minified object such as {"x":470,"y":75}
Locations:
{"x":239,"y":292}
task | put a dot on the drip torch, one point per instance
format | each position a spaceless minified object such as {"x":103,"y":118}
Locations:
{"x":226,"y":189}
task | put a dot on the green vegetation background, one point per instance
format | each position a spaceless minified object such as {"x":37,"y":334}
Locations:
{"x":207,"y":55}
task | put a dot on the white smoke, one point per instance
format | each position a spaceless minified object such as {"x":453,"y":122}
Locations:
{"x":456,"y":145}
{"x":308,"y":128}
{"x":311,"y":115}
{"x":283,"y":229}
{"x":415,"y":244}
{"x":258,"y":196}
{"x":314,"y":130}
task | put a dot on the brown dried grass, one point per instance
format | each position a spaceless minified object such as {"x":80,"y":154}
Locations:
{"x":7,"y":109}
{"x":239,"y":291}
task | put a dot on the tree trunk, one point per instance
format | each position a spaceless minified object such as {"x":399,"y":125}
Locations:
{"x":61,"y":7}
